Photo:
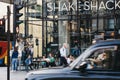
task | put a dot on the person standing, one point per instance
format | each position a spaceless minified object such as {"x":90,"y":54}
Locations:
{"x":63,"y":55}
{"x":76,"y":51}
{"x":20,"y":49}
{"x":20,"y":45}
{"x":15,"y":59}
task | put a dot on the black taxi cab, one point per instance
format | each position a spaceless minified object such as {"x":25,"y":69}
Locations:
{"x":101,"y":61}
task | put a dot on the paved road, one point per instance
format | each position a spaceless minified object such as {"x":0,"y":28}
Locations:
{"x":18,"y":75}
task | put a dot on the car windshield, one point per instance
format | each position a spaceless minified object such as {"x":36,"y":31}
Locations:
{"x":79,"y":59}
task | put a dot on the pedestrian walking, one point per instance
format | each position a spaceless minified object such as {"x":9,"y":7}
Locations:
{"x":63,"y":55}
{"x":15,"y":59}
{"x":76,"y":51}
{"x":20,"y":49}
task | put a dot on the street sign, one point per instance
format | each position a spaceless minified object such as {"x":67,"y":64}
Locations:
{"x":54,"y":44}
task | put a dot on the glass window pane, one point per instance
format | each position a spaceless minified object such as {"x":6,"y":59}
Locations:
{"x":101,"y":59}
{"x":111,"y":24}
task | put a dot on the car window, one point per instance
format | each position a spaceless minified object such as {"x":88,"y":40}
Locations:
{"x":117,"y":58}
{"x":101,"y":59}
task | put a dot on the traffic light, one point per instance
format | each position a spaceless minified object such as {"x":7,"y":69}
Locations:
{"x":17,"y":15}
{"x":2,"y":25}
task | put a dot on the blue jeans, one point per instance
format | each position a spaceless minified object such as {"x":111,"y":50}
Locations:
{"x":28,"y":63}
{"x":14,"y":63}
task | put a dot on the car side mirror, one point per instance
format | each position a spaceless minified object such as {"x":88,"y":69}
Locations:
{"x":82,"y":67}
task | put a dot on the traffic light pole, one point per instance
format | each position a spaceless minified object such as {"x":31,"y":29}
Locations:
{"x":8,"y":38}
{"x":16,"y":19}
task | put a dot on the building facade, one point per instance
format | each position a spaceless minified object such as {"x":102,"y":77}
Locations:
{"x":79,"y":22}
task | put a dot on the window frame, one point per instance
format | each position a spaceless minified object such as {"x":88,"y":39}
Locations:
{"x":114,"y":47}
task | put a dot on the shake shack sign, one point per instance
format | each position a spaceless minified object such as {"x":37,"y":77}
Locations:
{"x":102,"y":5}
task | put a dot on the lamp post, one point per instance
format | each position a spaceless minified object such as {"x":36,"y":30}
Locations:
{"x":97,"y":16}
{"x":8,"y":38}
{"x":43,"y":11}
{"x":114,"y":22}
{"x":26,"y":10}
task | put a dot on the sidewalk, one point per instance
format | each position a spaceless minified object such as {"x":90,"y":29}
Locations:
{"x":18,"y":75}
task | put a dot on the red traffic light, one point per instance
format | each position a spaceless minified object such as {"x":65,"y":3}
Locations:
{"x":2,"y":25}
{"x":1,"y":22}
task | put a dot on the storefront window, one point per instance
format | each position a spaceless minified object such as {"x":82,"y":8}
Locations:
{"x":71,"y":25}
{"x":111,"y":23}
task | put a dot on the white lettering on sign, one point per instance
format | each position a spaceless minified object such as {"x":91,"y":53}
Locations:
{"x":86,"y":5}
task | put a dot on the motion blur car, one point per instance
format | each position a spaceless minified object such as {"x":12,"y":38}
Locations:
{"x":83,"y":68}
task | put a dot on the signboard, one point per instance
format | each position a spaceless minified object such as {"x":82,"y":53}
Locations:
{"x":4,"y":48}
{"x":54,"y":44}
{"x":84,"y":7}
{"x":98,"y":36}
{"x":27,"y":2}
